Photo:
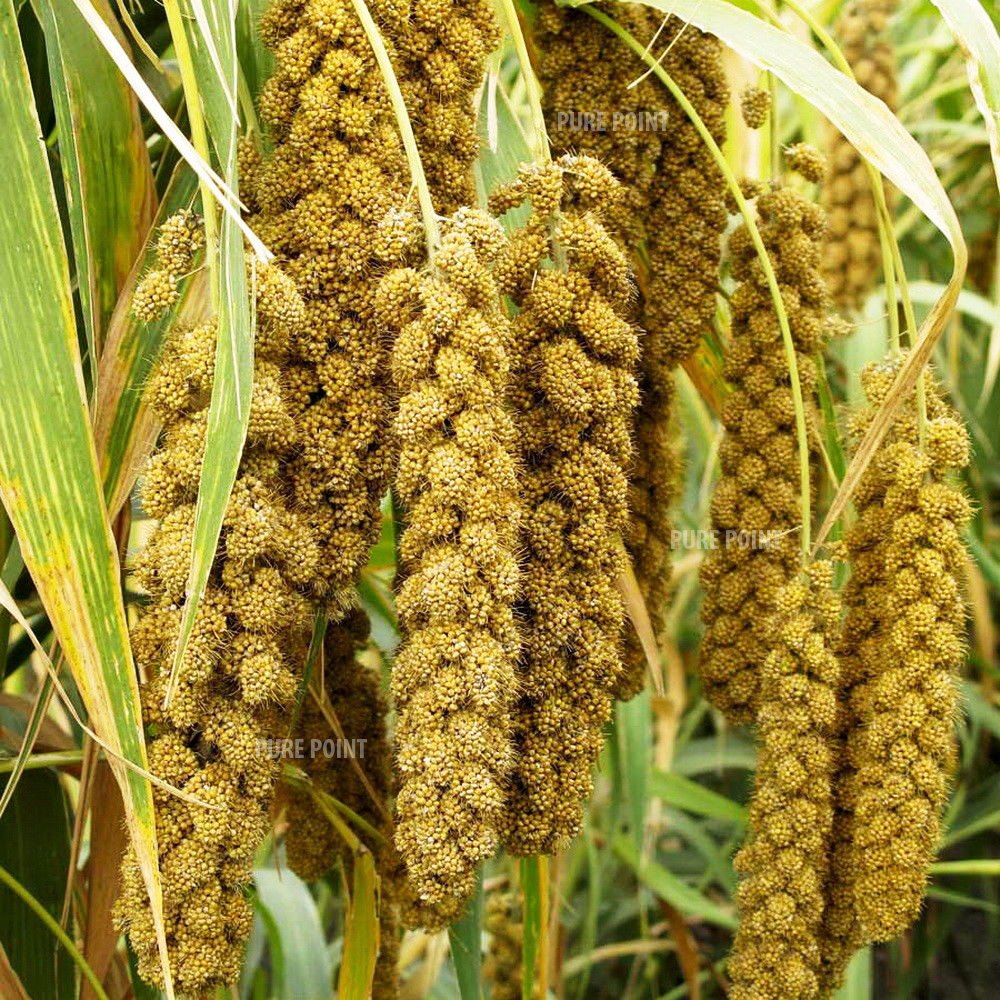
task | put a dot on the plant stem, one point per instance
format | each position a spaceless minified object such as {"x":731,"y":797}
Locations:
{"x":199,"y":139}
{"x":53,"y":925}
{"x":59,"y":758}
{"x":801,"y":433}
{"x":543,"y":925}
{"x":773,"y":134}
{"x":539,"y":139}
{"x":886,"y":234}
{"x":432,"y":234}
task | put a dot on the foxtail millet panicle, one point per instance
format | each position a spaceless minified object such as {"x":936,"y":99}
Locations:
{"x":454,"y":678}
{"x":239,"y":666}
{"x":179,"y":238}
{"x":573,"y":391}
{"x":903,"y":644}
{"x":584,"y":69}
{"x":758,"y":493}
{"x":755,"y":106}
{"x":443,"y":46}
{"x":685,"y":224}
{"x":670,"y":217}
{"x":784,"y":865}
{"x":330,"y":201}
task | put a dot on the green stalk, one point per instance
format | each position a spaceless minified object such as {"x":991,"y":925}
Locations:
{"x":326,"y":802}
{"x":539,"y":139}
{"x":432,"y":234}
{"x":801,"y":434}
{"x":58,"y":758}
{"x":887,"y":236}
{"x":773,"y":134}
{"x":53,"y":925}
{"x":199,"y":139}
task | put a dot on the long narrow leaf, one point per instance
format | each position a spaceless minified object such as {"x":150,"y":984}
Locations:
{"x":465,"y":936}
{"x":106,"y":168}
{"x":49,"y":479}
{"x":676,"y":790}
{"x":675,"y":891}
{"x":229,"y":410}
{"x":531,"y":891}
{"x":980,"y":44}
{"x":361,"y":932}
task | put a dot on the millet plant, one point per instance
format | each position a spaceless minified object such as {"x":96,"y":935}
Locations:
{"x":499,"y":498}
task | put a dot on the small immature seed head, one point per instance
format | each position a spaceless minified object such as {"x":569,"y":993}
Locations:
{"x":181,"y":237}
{"x":806,"y":160}
{"x":154,"y":295}
{"x":754,"y":106}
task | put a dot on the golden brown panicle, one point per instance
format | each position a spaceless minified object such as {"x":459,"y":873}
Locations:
{"x":670,"y":216}
{"x":852,"y":257}
{"x":454,"y":680}
{"x":902,"y":648}
{"x":777,"y":951}
{"x":210,"y":738}
{"x":574,"y":391}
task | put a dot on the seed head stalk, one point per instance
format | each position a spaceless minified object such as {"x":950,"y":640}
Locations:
{"x":199,"y":139}
{"x":432,"y":234}
{"x":538,"y":141}
{"x":892,"y":259}
{"x":801,"y":433}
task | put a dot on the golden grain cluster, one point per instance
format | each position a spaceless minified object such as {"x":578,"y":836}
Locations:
{"x":573,"y":389}
{"x":901,"y":648}
{"x":210,"y":718}
{"x":670,"y":217}
{"x":455,"y":675}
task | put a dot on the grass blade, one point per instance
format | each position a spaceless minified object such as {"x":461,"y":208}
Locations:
{"x":256,"y":59}
{"x":48,"y":464}
{"x":980,"y":44}
{"x":634,"y":732}
{"x":53,"y":925}
{"x":668,"y":886}
{"x":34,"y":848}
{"x":361,"y":931}
{"x":858,"y":978}
{"x":465,"y":936}
{"x":108,"y":177}
{"x":681,"y":792}
{"x":305,"y":970}
{"x":35,"y":720}
{"x":214,"y":84}
{"x":531,"y":892}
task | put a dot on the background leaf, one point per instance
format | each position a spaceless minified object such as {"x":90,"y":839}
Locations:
{"x":980,"y":43}
{"x":34,"y":848}
{"x":465,"y":936}
{"x":104,"y":159}
{"x":306,"y":964}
